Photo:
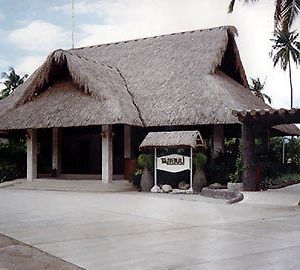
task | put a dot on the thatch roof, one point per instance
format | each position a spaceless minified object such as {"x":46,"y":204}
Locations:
{"x":188,"y":78}
{"x":86,"y":93}
{"x":172,"y":139}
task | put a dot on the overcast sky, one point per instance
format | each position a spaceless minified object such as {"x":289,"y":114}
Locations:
{"x":31,"y":29}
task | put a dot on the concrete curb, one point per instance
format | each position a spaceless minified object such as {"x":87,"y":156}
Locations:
{"x":230,"y":196}
{"x":11,"y":183}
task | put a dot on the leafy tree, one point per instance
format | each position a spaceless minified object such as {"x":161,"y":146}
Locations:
{"x":257,"y":87}
{"x":11,"y":81}
{"x":285,"y":48}
{"x":285,"y":12}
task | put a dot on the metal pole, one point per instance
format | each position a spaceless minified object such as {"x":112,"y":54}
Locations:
{"x":155,"y":170}
{"x":191,"y":170}
{"x":73,"y":23}
{"x":283,"y":154}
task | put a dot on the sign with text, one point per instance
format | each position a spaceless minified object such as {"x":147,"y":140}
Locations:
{"x":173,"y":163}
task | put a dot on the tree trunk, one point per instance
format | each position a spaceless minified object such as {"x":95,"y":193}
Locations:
{"x":291,"y":85}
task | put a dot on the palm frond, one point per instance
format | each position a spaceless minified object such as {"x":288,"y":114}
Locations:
{"x":232,"y":4}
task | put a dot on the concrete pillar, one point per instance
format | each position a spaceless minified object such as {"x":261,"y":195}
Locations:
{"x":56,"y":150}
{"x":127,"y":141}
{"x":107,"y":154}
{"x":218,"y":140}
{"x":31,"y":154}
{"x":248,"y":158}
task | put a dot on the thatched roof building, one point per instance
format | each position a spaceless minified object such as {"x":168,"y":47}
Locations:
{"x":189,"y":78}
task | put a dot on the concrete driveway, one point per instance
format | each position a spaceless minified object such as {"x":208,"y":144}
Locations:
{"x":131,"y":230}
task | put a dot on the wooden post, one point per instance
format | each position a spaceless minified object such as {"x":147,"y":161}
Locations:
{"x":248,"y":158}
{"x":127,"y":141}
{"x":265,"y":141}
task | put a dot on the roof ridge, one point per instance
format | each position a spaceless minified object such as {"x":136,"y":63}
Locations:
{"x":223,"y":27}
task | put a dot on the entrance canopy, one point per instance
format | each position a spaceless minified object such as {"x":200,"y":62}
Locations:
{"x":172,"y":139}
{"x":264,"y":118}
{"x":253,"y":122}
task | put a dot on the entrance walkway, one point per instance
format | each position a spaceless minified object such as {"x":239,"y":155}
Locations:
{"x":72,"y":185}
{"x":121,"y":230}
{"x":288,"y":196}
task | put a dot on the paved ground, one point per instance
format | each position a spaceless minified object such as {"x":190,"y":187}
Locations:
{"x":130,"y":230}
{"x":19,"y":256}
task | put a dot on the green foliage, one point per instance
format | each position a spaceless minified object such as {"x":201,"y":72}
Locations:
{"x":256,"y":87}
{"x":12,"y":160}
{"x":281,"y":181}
{"x":200,"y":160}
{"x":145,"y":161}
{"x":136,"y":178}
{"x":285,"y":13}
{"x":292,"y":150}
{"x":11,"y":81}
{"x":236,"y":176}
{"x":286,"y":47}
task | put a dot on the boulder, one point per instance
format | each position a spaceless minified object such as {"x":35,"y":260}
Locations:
{"x":167,"y":188}
{"x":183,"y":185}
{"x":156,"y":189}
{"x":216,"y":186}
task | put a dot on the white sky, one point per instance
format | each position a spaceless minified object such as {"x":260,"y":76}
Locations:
{"x":31,"y":39}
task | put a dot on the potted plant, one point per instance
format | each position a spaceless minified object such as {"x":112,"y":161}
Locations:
{"x":199,"y":179}
{"x":145,"y":161}
{"x":235,"y":183}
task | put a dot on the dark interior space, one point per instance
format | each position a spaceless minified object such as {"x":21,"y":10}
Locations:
{"x":81,"y":150}
{"x":44,"y":157}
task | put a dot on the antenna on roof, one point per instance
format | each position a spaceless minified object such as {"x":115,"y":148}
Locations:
{"x":73,"y":8}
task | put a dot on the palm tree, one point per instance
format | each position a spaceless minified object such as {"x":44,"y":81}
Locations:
{"x":284,"y":15}
{"x":12,"y":81}
{"x":257,"y":87}
{"x":286,"y":47}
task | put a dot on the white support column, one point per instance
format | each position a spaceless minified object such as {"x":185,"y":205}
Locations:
{"x":191,"y":170}
{"x":218,"y":140}
{"x":155,"y":167}
{"x":31,"y":154}
{"x":56,"y":150}
{"x":107,"y":154}
{"x":127,"y":141}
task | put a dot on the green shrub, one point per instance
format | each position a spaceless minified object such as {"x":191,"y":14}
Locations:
{"x":12,"y":160}
{"x":200,"y":160}
{"x":145,"y":161}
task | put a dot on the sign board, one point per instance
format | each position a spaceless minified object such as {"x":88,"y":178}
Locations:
{"x":173,"y":163}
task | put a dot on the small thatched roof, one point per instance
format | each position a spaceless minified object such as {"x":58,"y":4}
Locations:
{"x":188,"y":78}
{"x":172,"y":139}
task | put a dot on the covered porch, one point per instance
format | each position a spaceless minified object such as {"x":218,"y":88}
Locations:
{"x":83,"y":153}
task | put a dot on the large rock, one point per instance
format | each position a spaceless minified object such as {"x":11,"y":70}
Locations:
{"x":146,"y":180}
{"x":183,"y":185}
{"x":199,"y":181}
{"x":217,"y":186}
{"x":156,"y":189}
{"x":167,"y":188}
